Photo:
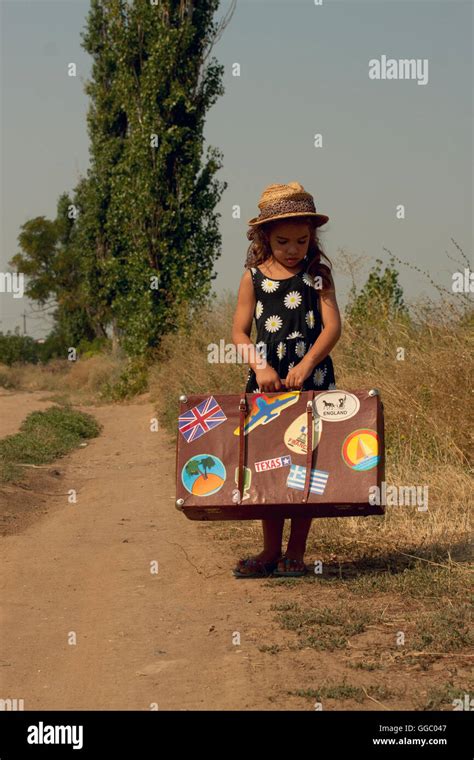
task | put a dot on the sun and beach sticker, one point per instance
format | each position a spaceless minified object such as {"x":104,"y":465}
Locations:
{"x":360,"y":449}
{"x":296,"y":433}
{"x":267,"y":408}
{"x":200,"y":419}
{"x":203,"y":475}
{"x":317,"y":480}
{"x":335,"y":406}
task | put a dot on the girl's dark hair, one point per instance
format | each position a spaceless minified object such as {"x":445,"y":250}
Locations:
{"x":259,"y":249}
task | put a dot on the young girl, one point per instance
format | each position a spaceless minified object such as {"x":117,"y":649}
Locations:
{"x":291,"y":294}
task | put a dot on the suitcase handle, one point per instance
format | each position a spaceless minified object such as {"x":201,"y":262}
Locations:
{"x":309,"y":443}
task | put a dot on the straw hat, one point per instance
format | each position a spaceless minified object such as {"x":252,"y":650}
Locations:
{"x":282,"y":201}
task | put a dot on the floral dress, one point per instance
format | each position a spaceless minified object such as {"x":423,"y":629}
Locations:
{"x":288,"y":322}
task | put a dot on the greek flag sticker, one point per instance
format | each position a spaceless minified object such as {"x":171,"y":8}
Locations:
{"x":297,"y":476}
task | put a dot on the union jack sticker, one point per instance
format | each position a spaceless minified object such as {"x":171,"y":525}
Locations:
{"x":201,"y":419}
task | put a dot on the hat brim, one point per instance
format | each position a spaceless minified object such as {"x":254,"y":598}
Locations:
{"x":319,"y":218}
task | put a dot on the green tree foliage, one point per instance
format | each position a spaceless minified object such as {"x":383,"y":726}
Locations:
{"x":151,"y":237}
{"x":17,"y":348}
{"x":380,"y":299}
{"x":53,"y":274}
{"x":374,"y":317}
{"x":136,"y":244}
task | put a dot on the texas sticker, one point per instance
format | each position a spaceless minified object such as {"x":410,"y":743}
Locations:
{"x":271,"y":464}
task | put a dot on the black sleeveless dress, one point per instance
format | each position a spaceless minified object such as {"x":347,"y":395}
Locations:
{"x":288,"y":322}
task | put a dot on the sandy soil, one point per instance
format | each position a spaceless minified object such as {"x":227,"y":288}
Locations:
{"x":16,"y":405}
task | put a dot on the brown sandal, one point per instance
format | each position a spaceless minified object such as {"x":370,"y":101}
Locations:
{"x":291,"y":568}
{"x":257,"y":568}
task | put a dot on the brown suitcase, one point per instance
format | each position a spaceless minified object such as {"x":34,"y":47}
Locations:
{"x":285,"y":454}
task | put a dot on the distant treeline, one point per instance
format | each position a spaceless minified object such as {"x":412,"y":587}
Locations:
{"x":22,"y":349}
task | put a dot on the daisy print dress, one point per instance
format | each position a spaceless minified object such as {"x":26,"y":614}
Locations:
{"x":288,"y":322}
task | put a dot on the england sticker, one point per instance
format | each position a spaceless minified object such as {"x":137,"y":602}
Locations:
{"x":271,"y":464}
{"x":335,"y":406}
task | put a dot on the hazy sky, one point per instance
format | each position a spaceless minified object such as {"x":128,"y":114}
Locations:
{"x":304,"y":71}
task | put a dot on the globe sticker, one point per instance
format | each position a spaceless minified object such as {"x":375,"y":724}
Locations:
{"x":295,"y":434}
{"x":335,"y":406}
{"x":203,"y":475}
{"x":360,"y":449}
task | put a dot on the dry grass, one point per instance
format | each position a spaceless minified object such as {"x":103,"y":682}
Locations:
{"x":81,"y":381}
{"x":427,"y":398}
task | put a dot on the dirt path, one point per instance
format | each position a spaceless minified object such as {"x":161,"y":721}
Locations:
{"x":142,"y":638}
{"x":15,"y":406}
{"x":168,"y":638}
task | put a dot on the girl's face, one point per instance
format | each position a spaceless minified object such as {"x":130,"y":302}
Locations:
{"x":289,"y":242}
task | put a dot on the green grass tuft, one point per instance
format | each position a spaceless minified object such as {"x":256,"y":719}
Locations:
{"x":44,"y":437}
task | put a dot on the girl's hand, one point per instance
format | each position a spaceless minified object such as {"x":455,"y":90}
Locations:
{"x":298,"y":374}
{"x":268,"y":379}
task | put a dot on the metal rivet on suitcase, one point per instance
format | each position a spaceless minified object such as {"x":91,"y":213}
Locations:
{"x":179,"y":503}
{"x":374,"y":392}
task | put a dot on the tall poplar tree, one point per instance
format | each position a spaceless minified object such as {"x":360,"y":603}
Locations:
{"x":147,"y":227}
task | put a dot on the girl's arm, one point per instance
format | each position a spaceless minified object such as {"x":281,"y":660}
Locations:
{"x":242,"y":324}
{"x":331,"y":331}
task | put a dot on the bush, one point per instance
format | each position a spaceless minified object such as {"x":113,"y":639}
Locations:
{"x":380,"y":299}
{"x":54,"y":347}
{"x":63,"y":418}
{"x":132,"y":381}
{"x":43,"y":437}
{"x":17,"y":348}
{"x":88,"y":348}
